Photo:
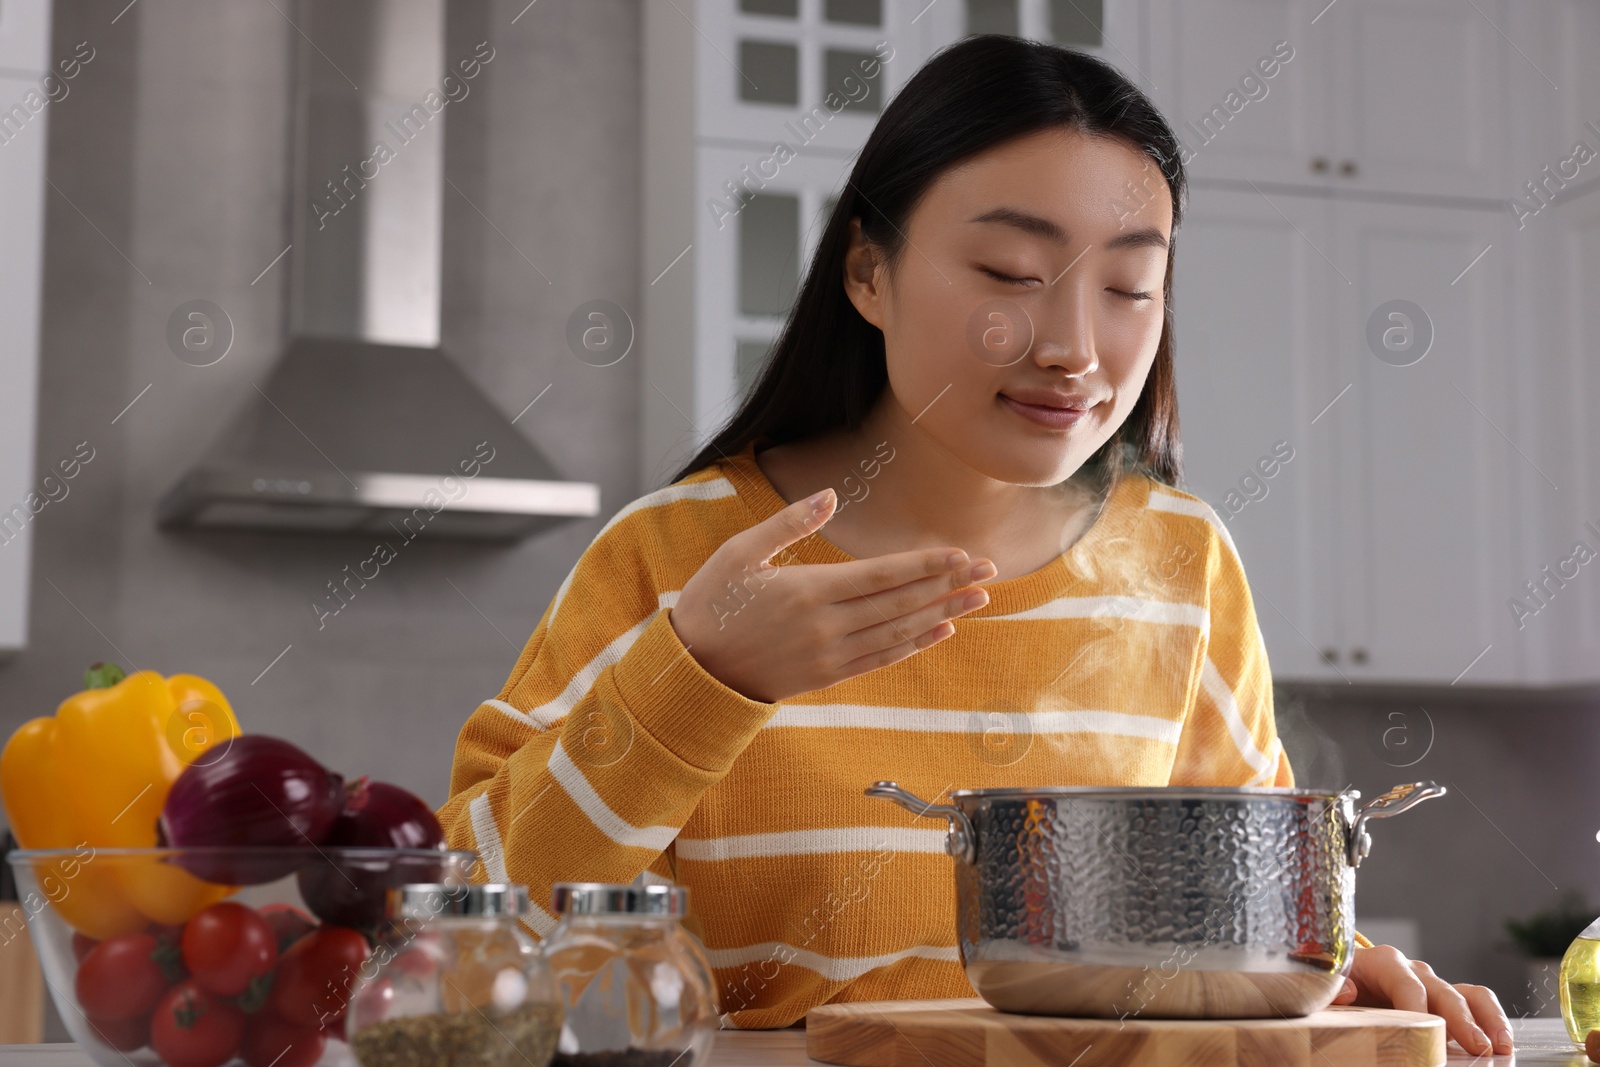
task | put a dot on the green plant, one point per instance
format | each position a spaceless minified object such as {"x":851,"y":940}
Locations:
{"x":1547,"y":934}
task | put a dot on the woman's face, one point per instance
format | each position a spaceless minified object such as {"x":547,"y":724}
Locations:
{"x":1030,"y":285}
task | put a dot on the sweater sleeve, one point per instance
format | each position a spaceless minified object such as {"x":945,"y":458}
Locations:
{"x":601,"y":742}
{"x":1229,"y":735}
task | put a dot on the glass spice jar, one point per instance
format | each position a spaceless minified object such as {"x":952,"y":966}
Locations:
{"x":455,"y":981}
{"x":638,"y":987}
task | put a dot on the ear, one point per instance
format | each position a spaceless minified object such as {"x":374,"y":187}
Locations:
{"x":863,"y":277}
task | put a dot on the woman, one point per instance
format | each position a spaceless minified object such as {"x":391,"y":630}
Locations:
{"x":981,"y":360}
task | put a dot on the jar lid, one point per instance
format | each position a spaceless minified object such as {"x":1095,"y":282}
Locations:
{"x":431,"y":900}
{"x":626,"y":898}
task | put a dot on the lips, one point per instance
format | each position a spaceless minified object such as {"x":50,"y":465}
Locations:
{"x":1049,"y":398}
{"x":1056,"y":411}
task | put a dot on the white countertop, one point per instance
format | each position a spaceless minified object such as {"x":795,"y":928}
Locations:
{"x":1538,"y":1041}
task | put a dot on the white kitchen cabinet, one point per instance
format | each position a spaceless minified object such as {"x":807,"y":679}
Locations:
{"x":1210,"y":63}
{"x":1552,"y":596}
{"x":1252,"y":356}
{"x":1379,"y":95}
{"x":1425,"y":533}
{"x":24,"y":40}
{"x":1378,"y":550}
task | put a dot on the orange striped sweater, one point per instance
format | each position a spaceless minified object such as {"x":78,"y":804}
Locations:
{"x":1132,"y":659}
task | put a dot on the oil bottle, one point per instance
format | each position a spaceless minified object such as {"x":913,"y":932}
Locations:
{"x":1580,"y":983}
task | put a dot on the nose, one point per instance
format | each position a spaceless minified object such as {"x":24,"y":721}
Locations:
{"x":1064,"y":331}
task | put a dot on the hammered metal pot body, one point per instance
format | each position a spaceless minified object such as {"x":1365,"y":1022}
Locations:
{"x":1175,"y":903}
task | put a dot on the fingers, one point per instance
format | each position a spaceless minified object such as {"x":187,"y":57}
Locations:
{"x":1489,"y":1015}
{"x":865,"y":577}
{"x":1385,"y":971}
{"x":1346,"y":994}
{"x":896,"y":652}
{"x":861,"y":612}
{"x":777,"y":532}
{"x":1445,"y":1001}
{"x":889,"y":632}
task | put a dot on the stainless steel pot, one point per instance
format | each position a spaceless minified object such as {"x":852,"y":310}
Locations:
{"x":1179,"y":902}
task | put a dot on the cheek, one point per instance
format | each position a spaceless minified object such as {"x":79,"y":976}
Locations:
{"x":1127,"y":350}
{"x":926,"y":348}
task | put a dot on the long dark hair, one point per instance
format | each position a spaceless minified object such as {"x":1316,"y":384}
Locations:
{"x":827,"y":369}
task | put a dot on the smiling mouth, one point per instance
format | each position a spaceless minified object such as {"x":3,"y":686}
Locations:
{"x":1046,"y":415}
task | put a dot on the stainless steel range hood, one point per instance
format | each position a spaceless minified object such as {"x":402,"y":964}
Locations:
{"x":365,"y":422}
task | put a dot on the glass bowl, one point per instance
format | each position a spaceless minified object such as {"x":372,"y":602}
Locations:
{"x":110,"y":927}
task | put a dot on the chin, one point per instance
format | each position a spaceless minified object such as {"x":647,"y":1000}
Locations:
{"x":1029,"y":463}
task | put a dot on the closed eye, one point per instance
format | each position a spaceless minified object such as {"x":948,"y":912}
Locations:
{"x":1139,"y":295}
{"x":997,"y":276}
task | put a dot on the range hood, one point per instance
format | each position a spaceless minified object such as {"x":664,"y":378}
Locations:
{"x":366,"y":425}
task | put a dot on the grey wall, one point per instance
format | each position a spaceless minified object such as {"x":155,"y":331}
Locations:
{"x":171,"y":149}
{"x":170,"y":158}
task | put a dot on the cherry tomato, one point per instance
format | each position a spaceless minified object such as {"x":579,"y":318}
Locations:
{"x":192,"y":1028}
{"x":125,"y":1035}
{"x":314,"y":979}
{"x":271,"y":1042}
{"x":288,"y":922}
{"x":81,"y":944}
{"x":226,"y":946}
{"x":121,"y":978}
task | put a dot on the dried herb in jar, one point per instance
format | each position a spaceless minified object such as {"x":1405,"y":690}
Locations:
{"x":516,"y":1038}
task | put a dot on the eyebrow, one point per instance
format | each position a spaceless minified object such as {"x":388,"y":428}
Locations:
{"x":1039,"y":226}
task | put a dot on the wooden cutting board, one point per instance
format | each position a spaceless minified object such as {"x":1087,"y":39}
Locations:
{"x":969,"y":1033}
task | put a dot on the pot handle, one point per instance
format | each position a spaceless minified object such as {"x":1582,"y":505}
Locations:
{"x":959,"y":842}
{"x":1396,"y":800}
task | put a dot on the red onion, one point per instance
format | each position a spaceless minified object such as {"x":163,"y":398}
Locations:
{"x":261,"y":791}
{"x":376,"y":815}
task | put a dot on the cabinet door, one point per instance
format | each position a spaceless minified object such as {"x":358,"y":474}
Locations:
{"x":21,"y":232}
{"x":1427,"y":515}
{"x":1207,"y":59}
{"x":1418,"y":95}
{"x":24,"y":40}
{"x":1559,"y":380}
{"x":1260,"y":442}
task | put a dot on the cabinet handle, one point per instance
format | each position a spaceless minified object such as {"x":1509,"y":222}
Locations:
{"x":1330,"y":655}
{"x":1319,"y":165}
{"x":1358,"y":655}
{"x":1348,"y":168}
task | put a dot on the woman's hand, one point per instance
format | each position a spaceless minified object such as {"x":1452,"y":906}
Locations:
{"x":770,"y":632}
{"x":1382,"y":977}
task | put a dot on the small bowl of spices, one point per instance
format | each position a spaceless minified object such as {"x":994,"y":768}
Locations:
{"x":455,"y":981}
{"x":637,"y":986}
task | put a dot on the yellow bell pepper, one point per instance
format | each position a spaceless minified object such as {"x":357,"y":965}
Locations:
{"x":98,"y":772}
{"x":92,"y":900}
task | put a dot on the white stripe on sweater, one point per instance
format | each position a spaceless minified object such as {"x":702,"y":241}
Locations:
{"x":934,"y":720}
{"x":547,"y":715}
{"x":1182,"y":505}
{"x":834,"y":968}
{"x":1216,"y":687}
{"x":1115,"y":607}
{"x":486,"y":836}
{"x":812,"y":843}
{"x":710,"y":489}
{"x":570,"y":778}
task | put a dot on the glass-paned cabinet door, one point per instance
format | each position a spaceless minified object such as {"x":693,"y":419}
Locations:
{"x":750,"y":257}
{"x":1110,"y":29}
{"x":814,"y":74}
